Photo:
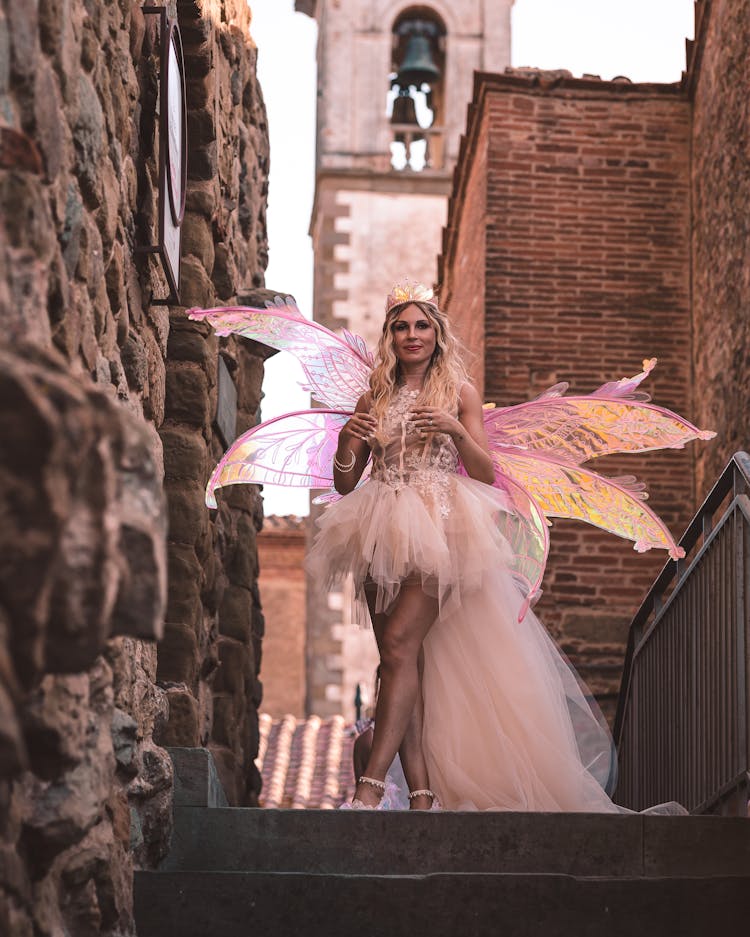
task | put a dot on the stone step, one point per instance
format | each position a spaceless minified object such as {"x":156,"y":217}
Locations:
{"x":244,"y":904}
{"x":402,"y":843}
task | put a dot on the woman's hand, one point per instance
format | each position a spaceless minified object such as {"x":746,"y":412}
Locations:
{"x":353,"y":448}
{"x":360,"y":426}
{"x":433,"y":420}
{"x":467,"y":432}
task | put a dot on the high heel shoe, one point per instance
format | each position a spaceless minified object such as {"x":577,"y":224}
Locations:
{"x":436,"y":805}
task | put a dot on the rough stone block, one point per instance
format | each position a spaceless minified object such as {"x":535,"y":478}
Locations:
{"x":187,"y":395}
{"x":202,"y":161}
{"x":179,"y":657}
{"x":80,"y":436}
{"x":23,"y":26}
{"x":242,"y":559}
{"x":196,"y":288}
{"x":202,"y":198}
{"x":141,"y":599}
{"x":188,"y":514}
{"x":187,"y":342}
{"x":135,"y":362}
{"x":89,"y":141}
{"x":51,"y":20}
{"x":13,"y":754}
{"x":124,"y":736}
{"x":55,"y":724}
{"x":183,"y":727}
{"x":235,"y":667}
{"x":154,"y":401}
{"x":225,"y":274}
{"x":27,"y":221}
{"x":185,"y":454}
{"x":61,"y":813}
{"x":236,"y":613}
{"x":49,"y":116}
{"x":185,"y":579}
{"x":197,"y":239}
{"x":241,"y":497}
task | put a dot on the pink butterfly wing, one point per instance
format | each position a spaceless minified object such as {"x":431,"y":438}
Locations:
{"x":337,"y":368}
{"x":564,"y":490}
{"x":576,"y":429}
{"x":614,"y":418}
{"x":295,"y":450}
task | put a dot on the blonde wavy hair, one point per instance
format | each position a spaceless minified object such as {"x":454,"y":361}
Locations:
{"x":445,"y":373}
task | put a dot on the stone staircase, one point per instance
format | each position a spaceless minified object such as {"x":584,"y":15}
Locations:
{"x":241,"y":872}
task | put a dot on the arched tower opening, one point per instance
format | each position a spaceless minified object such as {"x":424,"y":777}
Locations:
{"x":416,"y":94}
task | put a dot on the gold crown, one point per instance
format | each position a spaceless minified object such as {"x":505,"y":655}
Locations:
{"x":409,"y":291}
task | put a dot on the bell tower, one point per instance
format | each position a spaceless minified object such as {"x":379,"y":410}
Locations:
{"x":394,"y":82}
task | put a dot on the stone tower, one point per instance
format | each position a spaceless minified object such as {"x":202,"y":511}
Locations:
{"x":394,"y":82}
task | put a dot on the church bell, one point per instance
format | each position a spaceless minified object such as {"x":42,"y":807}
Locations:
{"x":418,"y":64}
{"x":404,"y":109}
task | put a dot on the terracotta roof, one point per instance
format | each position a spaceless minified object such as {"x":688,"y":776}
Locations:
{"x":305,"y":763}
{"x":285,"y":522}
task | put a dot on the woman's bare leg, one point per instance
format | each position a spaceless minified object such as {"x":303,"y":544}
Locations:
{"x":400,"y":641}
{"x":410,"y":751}
{"x":412,"y":756}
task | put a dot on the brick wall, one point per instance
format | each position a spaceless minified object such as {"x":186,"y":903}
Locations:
{"x":587,"y":246}
{"x":281,"y":551}
{"x":719,"y":83}
{"x":461,"y":286}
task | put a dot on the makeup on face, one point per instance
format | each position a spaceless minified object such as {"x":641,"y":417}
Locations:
{"x":413,"y":334}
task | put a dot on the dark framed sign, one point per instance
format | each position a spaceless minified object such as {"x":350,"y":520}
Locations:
{"x":172,"y":151}
{"x":225,"y":421}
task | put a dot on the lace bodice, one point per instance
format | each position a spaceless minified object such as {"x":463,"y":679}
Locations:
{"x":402,"y":457}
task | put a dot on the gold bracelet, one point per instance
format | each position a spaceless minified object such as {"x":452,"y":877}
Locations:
{"x":341,"y":466}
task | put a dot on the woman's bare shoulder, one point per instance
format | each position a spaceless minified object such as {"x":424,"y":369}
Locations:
{"x":364,"y":404}
{"x":468,"y":397}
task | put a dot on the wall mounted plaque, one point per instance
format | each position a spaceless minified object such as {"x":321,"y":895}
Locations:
{"x":225,"y":421}
{"x":172,"y":152}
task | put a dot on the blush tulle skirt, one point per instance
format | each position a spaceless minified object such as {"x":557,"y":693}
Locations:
{"x":508,"y":725}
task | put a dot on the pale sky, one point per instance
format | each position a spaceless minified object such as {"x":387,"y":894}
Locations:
{"x":642,"y":39}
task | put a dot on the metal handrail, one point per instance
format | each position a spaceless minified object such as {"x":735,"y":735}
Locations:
{"x":678,"y":734}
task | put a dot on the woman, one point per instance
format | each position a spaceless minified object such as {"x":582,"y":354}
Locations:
{"x":476,"y":697}
{"x":477,"y":705}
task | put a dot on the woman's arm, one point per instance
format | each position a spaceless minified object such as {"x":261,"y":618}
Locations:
{"x":353,"y":449}
{"x":467,"y":432}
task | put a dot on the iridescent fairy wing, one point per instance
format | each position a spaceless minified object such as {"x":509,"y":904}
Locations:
{"x":615,"y":418}
{"x":337,"y":367}
{"x":524,"y":526}
{"x":295,"y":450}
{"x":564,"y":490}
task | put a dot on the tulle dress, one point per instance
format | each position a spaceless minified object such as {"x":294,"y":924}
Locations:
{"x":507,"y":723}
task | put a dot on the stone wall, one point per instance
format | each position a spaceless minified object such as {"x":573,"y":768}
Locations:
{"x":83,"y":788}
{"x":106,"y":403}
{"x":719,"y":81}
{"x":586,"y":231}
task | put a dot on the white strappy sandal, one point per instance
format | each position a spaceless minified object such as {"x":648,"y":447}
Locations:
{"x":357,"y":804}
{"x":436,"y":805}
